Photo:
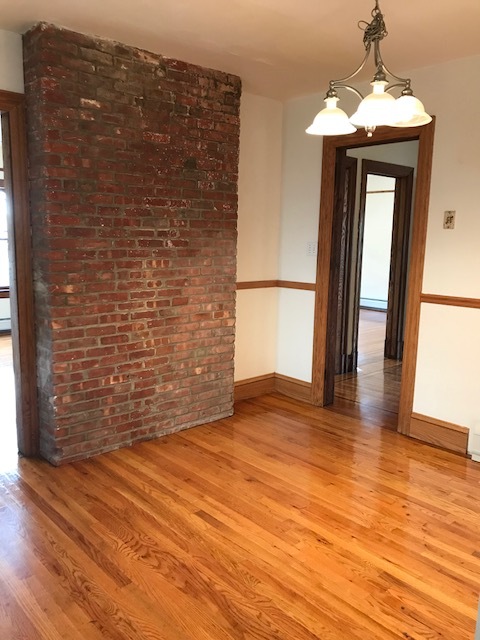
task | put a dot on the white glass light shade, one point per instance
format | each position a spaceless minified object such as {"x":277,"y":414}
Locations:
{"x":331,"y":121}
{"x":410,"y":112}
{"x":376,"y":109}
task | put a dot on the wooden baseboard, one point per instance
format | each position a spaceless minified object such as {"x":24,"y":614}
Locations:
{"x":291,"y":387}
{"x":442,"y":434}
{"x":253,"y":387}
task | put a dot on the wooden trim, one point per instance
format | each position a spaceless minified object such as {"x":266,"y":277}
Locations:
{"x":304,"y":286}
{"x":442,"y":434}
{"x":12,"y":107}
{"x":269,"y":383}
{"x":5,"y":293}
{"x":415,"y":276}
{"x":293,"y":388}
{"x":327,"y":200}
{"x":452,"y":301}
{"x":284,"y":284}
{"x":346,"y":220}
{"x":253,"y":387}
{"x":330,"y":147}
{"x":257,"y":284}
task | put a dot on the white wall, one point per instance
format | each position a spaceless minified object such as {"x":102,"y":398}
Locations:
{"x":258,"y":234}
{"x":4,"y":314}
{"x":377,"y":239}
{"x":452,"y":264}
{"x":295,"y":333}
{"x":302,"y":166}
{"x":404,"y":153}
{"x":449,"y":336}
{"x":256,"y":333}
{"x":11,"y":62}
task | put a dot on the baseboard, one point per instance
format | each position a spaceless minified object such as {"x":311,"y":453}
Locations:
{"x":442,"y":434}
{"x":259,"y":386}
{"x":293,"y":388}
{"x":253,"y":387}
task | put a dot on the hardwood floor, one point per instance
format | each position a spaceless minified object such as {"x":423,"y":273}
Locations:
{"x":8,"y":433}
{"x":373,"y":392}
{"x":285,"y":521}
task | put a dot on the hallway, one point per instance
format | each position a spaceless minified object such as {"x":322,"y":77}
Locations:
{"x":373,"y":391}
{"x":8,"y":435}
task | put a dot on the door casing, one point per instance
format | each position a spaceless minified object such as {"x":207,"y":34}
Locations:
{"x":345,"y":206}
{"x":12,"y":109}
{"x":325,"y":302}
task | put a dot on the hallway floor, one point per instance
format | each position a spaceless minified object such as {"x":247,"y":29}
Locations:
{"x":374,"y":390}
{"x":8,"y":435}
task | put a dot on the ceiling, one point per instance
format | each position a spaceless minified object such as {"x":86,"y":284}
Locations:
{"x":280,"y":48}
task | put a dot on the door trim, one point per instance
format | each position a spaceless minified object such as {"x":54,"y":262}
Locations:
{"x":345,"y":198}
{"x":12,"y":108}
{"x":323,"y":293}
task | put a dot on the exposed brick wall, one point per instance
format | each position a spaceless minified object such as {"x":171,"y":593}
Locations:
{"x":133,"y":171}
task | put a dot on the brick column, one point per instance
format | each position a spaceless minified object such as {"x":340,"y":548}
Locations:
{"x":133,"y":176}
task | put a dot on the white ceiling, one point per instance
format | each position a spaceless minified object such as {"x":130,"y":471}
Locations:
{"x":280,"y":48}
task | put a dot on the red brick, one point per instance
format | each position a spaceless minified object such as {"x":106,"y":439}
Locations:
{"x":134,"y":229}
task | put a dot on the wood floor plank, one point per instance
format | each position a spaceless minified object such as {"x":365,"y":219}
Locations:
{"x":284,"y":521}
{"x":375,"y":385}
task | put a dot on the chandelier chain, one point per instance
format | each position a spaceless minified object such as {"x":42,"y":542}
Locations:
{"x":375,"y":30}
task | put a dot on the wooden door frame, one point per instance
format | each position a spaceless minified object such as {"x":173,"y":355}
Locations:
{"x":323,"y":288}
{"x":345,"y":203}
{"x":12,"y":108}
{"x":400,"y":250}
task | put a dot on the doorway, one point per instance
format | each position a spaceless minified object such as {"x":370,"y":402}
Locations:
{"x":20,"y":285}
{"x":372,"y":290}
{"x":8,"y":433}
{"x":326,"y":303}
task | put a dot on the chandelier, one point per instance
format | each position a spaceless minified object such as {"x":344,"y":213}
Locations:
{"x":379,"y":107}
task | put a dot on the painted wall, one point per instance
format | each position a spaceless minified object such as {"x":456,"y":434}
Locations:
{"x":295,"y":333}
{"x":258,"y":234}
{"x":5,"y":314}
{"x":11,"y":62}
{"x":377,"y":240}
{"x":452,"y":264}
{"x":449,"y":336}
{"x":302,"y":164}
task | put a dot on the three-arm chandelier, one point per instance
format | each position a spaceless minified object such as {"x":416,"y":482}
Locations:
{"x":379,"y":107}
